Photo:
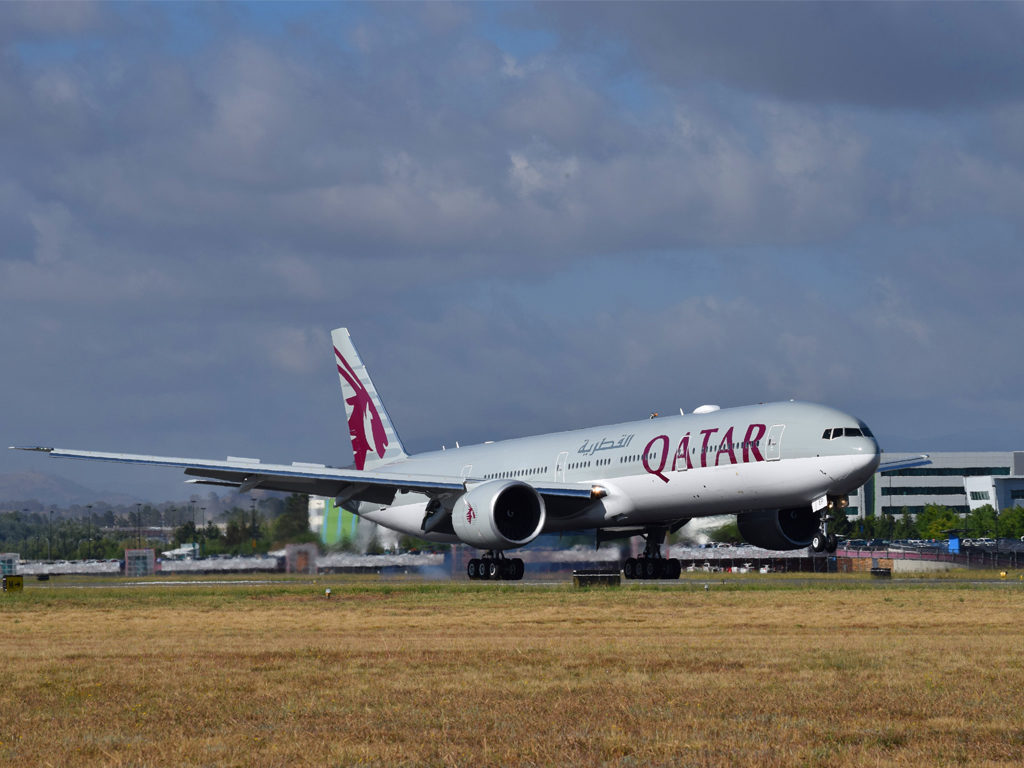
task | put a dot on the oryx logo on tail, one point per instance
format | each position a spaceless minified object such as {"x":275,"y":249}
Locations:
{"x":364,"y":423}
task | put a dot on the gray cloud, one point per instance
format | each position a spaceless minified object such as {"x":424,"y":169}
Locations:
{"x":521,"y":240}
{"x":924,"y":56}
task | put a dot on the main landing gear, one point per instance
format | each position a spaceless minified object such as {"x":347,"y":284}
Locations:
{"x":651,"y":565}
{"x":495,"y":566}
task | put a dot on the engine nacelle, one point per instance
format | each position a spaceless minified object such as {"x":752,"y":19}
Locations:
{"x":779,"y":528}
{"x":499,"y":514}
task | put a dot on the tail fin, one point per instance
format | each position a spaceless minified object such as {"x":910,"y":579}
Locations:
{"x":374,"y":440}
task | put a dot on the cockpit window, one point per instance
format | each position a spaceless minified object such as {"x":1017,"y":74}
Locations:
{"x":832,"y":434}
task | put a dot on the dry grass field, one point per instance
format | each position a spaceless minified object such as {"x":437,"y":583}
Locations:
{"x":787,"y":674}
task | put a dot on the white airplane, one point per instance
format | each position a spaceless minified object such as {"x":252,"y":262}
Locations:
{"x":782,"y":468}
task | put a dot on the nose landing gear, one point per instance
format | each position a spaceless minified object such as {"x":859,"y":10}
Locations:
{"x":823,"y":541}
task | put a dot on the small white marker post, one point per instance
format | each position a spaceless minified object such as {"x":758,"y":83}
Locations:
{"x":327,"y":593}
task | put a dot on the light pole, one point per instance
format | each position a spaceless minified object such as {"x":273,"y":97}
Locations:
{"x":89,"y":507}
{"x":49,"y":539}
{"x":25,"y":513}
{"x":138,"y":526}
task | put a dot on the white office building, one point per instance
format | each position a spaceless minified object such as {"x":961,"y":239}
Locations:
{"x":961,"y":481}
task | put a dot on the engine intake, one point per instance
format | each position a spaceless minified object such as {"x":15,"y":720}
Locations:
{"x":779,"y":529}
{"x":499,"y":514}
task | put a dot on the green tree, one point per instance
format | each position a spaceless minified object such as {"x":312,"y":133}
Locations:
{"x":1011,"y":522}
{"x":842,"y":525}
{"x":935,"y":519}
{"x":234,"y":534}
{"x":293,"y":524}
{"x":727,"y":533}
{"x":981,"y":522}
{"x":905,"y":528}
{"x":184,"y":533}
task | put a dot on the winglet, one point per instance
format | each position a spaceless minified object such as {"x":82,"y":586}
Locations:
{"x":40,"y":448}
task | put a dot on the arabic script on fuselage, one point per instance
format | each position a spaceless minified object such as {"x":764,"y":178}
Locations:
{"x":604,"y":444}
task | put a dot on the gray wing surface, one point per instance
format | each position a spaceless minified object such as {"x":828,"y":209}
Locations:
{"x":378,"y":487}
{"x":908,"y":463}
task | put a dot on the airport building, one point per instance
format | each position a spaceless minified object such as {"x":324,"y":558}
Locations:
{"x":961,"y":481}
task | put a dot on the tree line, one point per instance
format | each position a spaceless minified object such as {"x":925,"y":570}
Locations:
{"x":105,"y":534}
{"x":933,"y":522}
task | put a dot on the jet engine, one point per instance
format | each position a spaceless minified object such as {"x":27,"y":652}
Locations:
{"x":499,"y":514}
{"x":779,"y":528}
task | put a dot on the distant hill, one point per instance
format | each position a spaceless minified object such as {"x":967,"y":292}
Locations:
{"x":16,"y":488}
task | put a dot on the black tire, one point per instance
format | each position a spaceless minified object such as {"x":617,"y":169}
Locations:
{"x":818,"y":542}
{"x":483,"y":570}
{"x":629,"y":568}
{"x":473,"y":569}
{"x":650,"y":568}
{"x":519,"y":569}
{"x":493,"y":569}
{"x":508,"y":569}
{"x":830,"y":543}
{"x":675,"y":569}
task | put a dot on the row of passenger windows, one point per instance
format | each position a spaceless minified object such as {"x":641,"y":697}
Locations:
{"x":516,"y":473}
{"x":585,"y":464}
{"x":635,"y":457}
{"x":693,"y":451}
{"x":605,"y":462}
{"x":832,"y":434}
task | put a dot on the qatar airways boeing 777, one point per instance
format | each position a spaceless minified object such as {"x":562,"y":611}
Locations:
{"x":782,"y":468}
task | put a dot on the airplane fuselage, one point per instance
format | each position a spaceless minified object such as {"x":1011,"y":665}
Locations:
{"x":656,"y":471}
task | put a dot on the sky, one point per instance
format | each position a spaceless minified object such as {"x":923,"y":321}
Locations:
{"x":531,"y":218}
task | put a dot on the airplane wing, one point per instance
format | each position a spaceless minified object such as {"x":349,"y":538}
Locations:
{"x":913,"y":461}
{"x":379,"y":487}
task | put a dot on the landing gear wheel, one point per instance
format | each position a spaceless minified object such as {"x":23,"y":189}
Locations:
{"x":518,"y":569}
{"x":818,"y":542}
{"x":629,"y":568}
{"x":483,"y":570}
{"x":493,"y":569}
{"x":675,"y":569}
{"x":831,"y":543}
{"x":650,"y":566}
{"x":473,"y":569}
{"x":508,"y":569}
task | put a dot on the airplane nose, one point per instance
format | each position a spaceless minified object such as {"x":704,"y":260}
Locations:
{"x":868,"y":460}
